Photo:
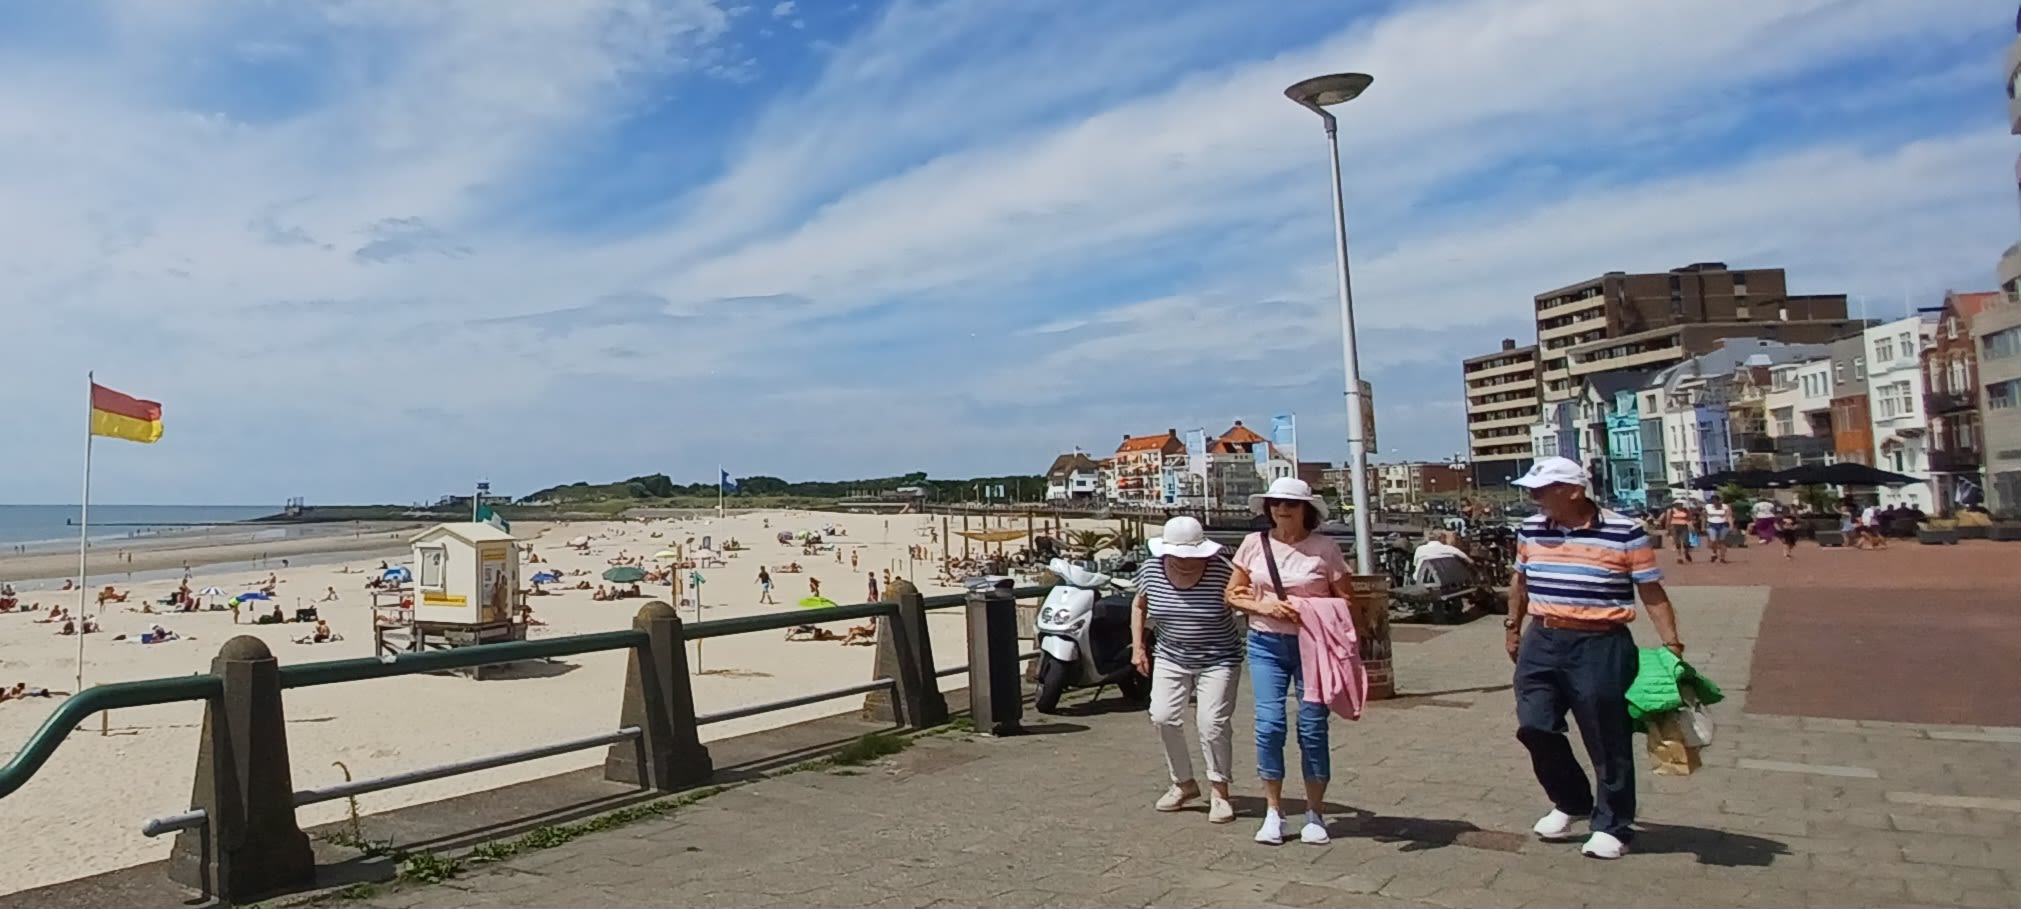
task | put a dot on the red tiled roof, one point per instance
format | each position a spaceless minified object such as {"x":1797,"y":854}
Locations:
{"x":1161,"y":442}
{"x":1241,"y":435}
{"x":1970,"y":305}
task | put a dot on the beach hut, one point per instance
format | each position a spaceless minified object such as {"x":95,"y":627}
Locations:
{"x":465,"y":590}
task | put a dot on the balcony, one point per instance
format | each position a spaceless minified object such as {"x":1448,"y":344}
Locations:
{"x":1948,"y":461}
{"x":1803,"y":446}
{"x":1942,"y":402}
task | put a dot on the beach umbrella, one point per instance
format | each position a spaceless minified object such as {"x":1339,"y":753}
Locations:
{"x":546,"y":577}
{"x":211,"y":592}
{"x":579,"y":541}
{"x":397,"y":573}
{"x":666,"y":554}
{"x":254,"y":595}
{"x":816,"y":603}
{"x":625,"y":574}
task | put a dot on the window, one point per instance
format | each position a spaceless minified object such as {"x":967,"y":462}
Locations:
{"x":433,"y":564}
{"x":1951,"y":328}
{"x":1961,"y":380}
{"x":2003,"y":395}
{"x":1907,"y":342}
{"x":2001,"y":344}
{"x":1884,"y":350}
{"x":1859,"y":369}
{"x":1839,"y":372}
{"x":1785,"y":421}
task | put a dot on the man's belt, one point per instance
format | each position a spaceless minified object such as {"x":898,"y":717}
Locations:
{"x":1551,"y":621}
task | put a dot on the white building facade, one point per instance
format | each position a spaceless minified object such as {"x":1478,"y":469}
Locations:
{"x":1895,"y":403}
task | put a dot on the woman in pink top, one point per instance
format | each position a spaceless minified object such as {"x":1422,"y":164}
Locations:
{"x":1310,"y":565}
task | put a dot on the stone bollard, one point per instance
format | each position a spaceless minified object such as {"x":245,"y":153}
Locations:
{"x":251,"y":846}
{"x":905,"y":653}
{"x":995,"y":692}
{"x":660,"y":701}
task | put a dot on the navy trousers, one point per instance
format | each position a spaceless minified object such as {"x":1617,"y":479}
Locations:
{"x":1586,"y":673}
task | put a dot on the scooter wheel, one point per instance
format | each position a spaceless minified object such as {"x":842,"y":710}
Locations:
{"x":1052,"y":684}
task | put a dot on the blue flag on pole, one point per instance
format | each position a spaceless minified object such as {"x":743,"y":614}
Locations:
{"x":728,"y":485}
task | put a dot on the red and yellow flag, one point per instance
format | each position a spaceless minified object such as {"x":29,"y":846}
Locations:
{"x":124,"y":417}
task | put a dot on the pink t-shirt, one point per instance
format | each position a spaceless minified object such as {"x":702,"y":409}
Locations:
{"x":1308,"y":568}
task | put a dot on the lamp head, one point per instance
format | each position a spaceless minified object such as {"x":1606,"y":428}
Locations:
{"x":1325,"y":91}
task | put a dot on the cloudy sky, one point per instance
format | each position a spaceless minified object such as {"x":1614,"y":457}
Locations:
{"x":372,"y":250}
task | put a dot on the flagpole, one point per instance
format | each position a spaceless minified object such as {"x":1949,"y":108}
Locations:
{"x":84,"y":535}
{"x":719,"y":499}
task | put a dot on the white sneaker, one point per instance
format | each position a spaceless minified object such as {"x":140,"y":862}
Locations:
{"x":1176,"y":797}
{"x":1219,"y":811}
{"x":1603,"y":846}
{"x":1272,"y":831}
{"x":1556,"y":827}
{"x":1314,"y":833}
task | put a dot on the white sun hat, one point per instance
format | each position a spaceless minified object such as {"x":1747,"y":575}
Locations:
{"x":1288,"y":489}
{"x":1184,"y":538}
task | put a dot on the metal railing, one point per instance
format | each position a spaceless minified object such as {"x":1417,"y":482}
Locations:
{"x":209,"y":687}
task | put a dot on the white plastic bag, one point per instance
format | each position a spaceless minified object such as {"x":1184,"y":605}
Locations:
{"x":1696,"y":722}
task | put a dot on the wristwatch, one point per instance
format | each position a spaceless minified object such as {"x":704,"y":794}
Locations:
{"x":1509,"y":624}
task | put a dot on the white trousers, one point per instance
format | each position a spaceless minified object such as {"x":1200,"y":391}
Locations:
{"x":1214,"y":688}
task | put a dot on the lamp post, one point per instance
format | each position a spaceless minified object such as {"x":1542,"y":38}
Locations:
{"x":1317,"y":94}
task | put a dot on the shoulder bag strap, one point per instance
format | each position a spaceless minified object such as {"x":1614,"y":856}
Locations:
{"x":1270,"y":561}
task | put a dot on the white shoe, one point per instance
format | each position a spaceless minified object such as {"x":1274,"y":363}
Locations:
{"x":1272,"y":831}
{"x":1176,"y":797}
{"x":1314,"y":834}
{"x":1556,"y":827}
{"x":1219,"y":811}
{"x":1603,"y":846}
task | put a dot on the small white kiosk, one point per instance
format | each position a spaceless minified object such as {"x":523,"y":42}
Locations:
{"x":466,"y":590}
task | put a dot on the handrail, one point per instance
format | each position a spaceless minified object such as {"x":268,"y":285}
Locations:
{"x":329,"y":672}
{"x":80,"y":706}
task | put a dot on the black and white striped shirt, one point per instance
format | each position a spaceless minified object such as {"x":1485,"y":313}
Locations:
{"x":1196,"y":629}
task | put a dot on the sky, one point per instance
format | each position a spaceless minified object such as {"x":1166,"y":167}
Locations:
{"x":376,"y":250}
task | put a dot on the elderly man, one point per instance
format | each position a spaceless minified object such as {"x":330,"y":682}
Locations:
{"x":1579,"y":569}
{"x":1439,"y":544}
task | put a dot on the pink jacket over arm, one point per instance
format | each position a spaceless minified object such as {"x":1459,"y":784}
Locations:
{"x":1330,"y":655}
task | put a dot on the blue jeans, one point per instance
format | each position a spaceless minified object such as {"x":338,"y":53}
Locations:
{"x":1586,"y":673}
{"x":1274,"y":670}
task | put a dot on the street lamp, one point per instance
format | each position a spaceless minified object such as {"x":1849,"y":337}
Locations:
{"x":1317,"y":94}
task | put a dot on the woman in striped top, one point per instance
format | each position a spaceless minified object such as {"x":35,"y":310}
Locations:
{"x":1182,"y":592}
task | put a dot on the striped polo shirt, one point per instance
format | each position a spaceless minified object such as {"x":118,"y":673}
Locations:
{"x":1585,"y":573}
{"x":1196,"y":629}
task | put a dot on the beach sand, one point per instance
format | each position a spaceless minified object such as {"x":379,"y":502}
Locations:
{"x":84,"y":809}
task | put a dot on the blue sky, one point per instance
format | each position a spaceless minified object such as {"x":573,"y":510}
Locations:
{"x":373,"y":250}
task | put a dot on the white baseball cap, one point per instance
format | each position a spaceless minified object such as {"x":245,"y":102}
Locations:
{"x":1552,"y":471}
{"x":1184,"y":538}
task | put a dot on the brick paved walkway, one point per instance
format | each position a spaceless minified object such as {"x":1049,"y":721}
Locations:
{"x":1434,"y":798}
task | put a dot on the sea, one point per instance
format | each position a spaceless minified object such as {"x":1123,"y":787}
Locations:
{"x":45,"y":526}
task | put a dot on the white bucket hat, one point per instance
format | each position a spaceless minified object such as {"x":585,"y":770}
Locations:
{"x":1184,"y":538}
{"x":1288,"y":489}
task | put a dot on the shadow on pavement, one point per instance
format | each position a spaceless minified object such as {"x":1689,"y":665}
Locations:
{"x":1050,"y":728}
{"x":1713,"y":847}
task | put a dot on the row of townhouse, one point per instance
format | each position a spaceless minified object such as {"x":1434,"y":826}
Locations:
{"x":1157,"y":471}
{"x":1912,"y":396}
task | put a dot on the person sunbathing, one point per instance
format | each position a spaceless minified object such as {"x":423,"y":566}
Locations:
{"x":21,"y":692}
{"x":811,"y":633}
{"x":601,"y":594}
{"x":330,"y":596}
{"x":861,"y":634}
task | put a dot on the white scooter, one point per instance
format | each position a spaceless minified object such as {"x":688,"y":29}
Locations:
{"x":1083,"y":632}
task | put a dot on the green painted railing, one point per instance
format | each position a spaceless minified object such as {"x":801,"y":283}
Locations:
{"x":80,"y":706}
{"x":146,"y":692}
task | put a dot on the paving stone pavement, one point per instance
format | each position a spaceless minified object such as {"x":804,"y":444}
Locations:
{"x":1432,"y":799}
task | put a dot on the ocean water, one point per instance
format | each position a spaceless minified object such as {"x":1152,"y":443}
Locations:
{"x":38,"y":526}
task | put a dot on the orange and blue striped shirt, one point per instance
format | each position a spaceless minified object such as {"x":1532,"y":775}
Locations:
{"x":1585,"y":573}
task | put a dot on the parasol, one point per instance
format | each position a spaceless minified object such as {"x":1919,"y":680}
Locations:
{"x":625,"y":574}
{"x":545,"y":577}
{"x":666,"y":554}
{"x":211,"y":592}
{"x":397,"y":573}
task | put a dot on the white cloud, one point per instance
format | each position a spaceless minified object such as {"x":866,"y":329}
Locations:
{"x":1123,"y":181}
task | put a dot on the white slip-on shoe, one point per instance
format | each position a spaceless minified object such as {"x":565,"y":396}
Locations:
{"x":1219,"y":811}
{"x":1272,"y":831}
{"x":1314,"y":834}
{"x":1176,"y":797}
{"x":1603,"y":846}
{"x":1556,"y":827}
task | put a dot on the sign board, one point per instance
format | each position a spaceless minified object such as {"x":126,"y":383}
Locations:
{"x":1196,"y":453}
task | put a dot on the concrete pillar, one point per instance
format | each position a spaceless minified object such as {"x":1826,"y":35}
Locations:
{"x":658,"y":699}
{"x":251,"y":848}
{"x":905,"y":653}
{"x":995,"y":690}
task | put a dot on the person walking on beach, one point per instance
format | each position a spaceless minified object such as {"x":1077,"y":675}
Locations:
{"x":813,"y":586}
{"x":873,"y":587}
{"x":1678,"y":518}
{"x":1183,"y":591}
{"x":852,"y":560}
{"x":1270,"y":567}
{"x":764,"y":586}
{"x":1579,"y":569}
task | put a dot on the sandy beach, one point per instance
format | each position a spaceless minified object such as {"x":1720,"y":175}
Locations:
{"x":86,"y":806}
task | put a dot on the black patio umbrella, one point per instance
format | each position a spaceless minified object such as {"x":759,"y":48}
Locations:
{"x":1844,"y":473}
{"x":1748,"y":479}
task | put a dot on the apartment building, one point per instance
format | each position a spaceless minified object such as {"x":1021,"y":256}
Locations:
{"x":1407,"y":484}
{"x":1610,"y":436}
{"x":1799,"y":412}
{"x":1624,"y":321}
{"x":1073,"y":477}
{"x":1852,"y":417}
{"x":1951,"y":399}
{"x":1149,"y":470}
{"x":1997,"y":332}
{"x":1895,"y":398}
{"x":1501,"y":395}
{"x":2009,"y":268}
{"x":1692,"y":401}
